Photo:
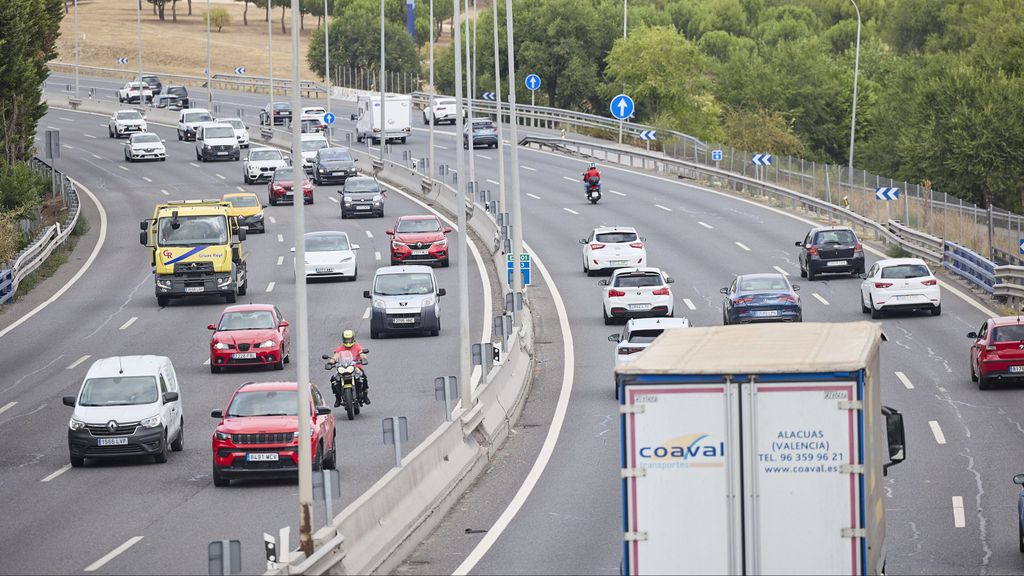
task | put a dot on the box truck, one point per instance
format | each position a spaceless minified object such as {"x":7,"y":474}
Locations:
{"x":756,"y":449}
{"x":397,"y":118}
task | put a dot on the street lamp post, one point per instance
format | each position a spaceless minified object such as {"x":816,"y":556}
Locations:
{"x":465,"y":385}
{"x":516,"y":211}
{"x":138,"y":30}
{"x":470,"y":81}
{"x":625,"y":16}
{"x":77,"y":53}
{"x":383,"y":96}
{"x":327,"y":65}
{"x":497,"y":103}
{"x":270,"y":57}
{"x":209,"y":57}
{"x":853,"y":115}
{"x":430,"y":102}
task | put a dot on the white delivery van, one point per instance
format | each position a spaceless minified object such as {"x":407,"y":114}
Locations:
{"x":405,"y":299}
{"x":397,"y":118}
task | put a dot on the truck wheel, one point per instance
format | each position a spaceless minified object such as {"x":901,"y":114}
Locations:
{"x":244,"y":287}
{"x":162,"y":301}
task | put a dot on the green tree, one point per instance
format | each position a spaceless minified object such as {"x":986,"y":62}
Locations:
{"x":355,"y":42}
{"x":217,"y":17}
{"x":762,"y":131}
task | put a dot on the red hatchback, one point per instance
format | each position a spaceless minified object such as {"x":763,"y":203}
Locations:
{"x":258,"y":433}
{"x":250,"y":335}
{"x":280,"y":187}
{"x":419,"y":239}
{"x":997,"y":354}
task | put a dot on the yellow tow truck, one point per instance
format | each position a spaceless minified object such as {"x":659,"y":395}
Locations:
{"x":192,"y":251}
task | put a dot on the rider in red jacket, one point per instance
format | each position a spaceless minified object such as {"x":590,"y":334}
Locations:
{"x":591,"y":172}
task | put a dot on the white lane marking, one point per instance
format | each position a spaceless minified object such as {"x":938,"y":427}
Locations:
{"x":689,"y":304}
{"x":272,"y":220}
{"x":165,"y":192}
{"x":332,"y":199}
{"x":221,"y":176}
{"x":52,"y":128}
{"x":534,"y":196}
{"x":706,"y":225}
{"x":68,"y":146}
{"x":376,"y":255}
{"x":206,"y":362}
{"x":569,"y":179}
{"x":906,"y":381}
{"x":781,"y":271}
{"x":369,"y":234}
{"x":495,"y":182}
{"x":280,"y":238}
{"x":440,"y":146}
{"x":240,"y":189}
{"x":570,"y":211}
{"x":97,"y":156}
{"x":7,"y":407}
{"x":65,"y":119}
{"x":550,"y":441}
{"x":665,"y":208}
{"x":89,"y":136}
{"x":366,"y":313}
{"x":959,"y":521}
{"x":147,"y":178}
{"x":113,"y":554}
{"x":937,"y":431}
{"x":527,"y":168}
{"x":819,"y":298}
{"x":122,"y":168}
{"x":75,"y":364}
{"x":484,"y":156}
{"x":193,"y":164}
{"x":280,"y":260}
{"x":128,"y":323}
{"x":743,"y":246}
{"x":617,"y":192}
{"x":59,"y":471}
{"x":270,"y":287}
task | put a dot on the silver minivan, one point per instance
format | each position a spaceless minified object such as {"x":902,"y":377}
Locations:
{"x":405,"y":299}
{"x":126,"y":406}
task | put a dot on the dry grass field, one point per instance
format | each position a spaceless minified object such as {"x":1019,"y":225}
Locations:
{"x":107,"y":30}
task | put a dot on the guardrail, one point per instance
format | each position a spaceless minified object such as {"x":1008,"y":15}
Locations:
{"x":48,"y":240}
{"x":965,"y":263}
{"x":932,"y":247}
{"x":1010,"y":283}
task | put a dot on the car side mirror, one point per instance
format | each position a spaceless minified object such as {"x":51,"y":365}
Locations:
{"x":323,"y":411}
{"x":69,"y":401}
{"x":447,"y":230}
{"x":896,"y":437}
{"x":799,"y":243}
{"x":441,"y":291}
{"x":211,"y":326}
{"x":366,"y":293}
{"x":170,"y":397}
{"x":972,"y":335}
{"x":602,"y":282}
{"x":1018,"y":479}
{"x":162,"y":140}
{"x":583,"y":240}
{"x":216,"y":413}
{"x":355,"y":160}
{"x":241,"y":233}
{"x":283,"y":324}
{"x":263,"y":206}
{"x":796,"y":287}
{"x":862,"y":276}
{"x":615,"y":338}
{"x":144,"y":225}
{"x":670,"y":280}
{"x":355,"y":246}
{"x":389,"y":232}
{"x":353,"y":117}
{"x":723,"y":290}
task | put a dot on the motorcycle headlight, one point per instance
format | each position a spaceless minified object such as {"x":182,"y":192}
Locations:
{"x":428,"y":301}
{"x":76,"y":424}
{"x":267,"y":344}
{"x":347,"y":369}
{"x":220,"y":346}
{"x":379,"y":304}
{"x":222,"y":435}
{"x":151,"y":422}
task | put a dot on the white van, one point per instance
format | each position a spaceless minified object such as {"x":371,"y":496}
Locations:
{"x":405,"y":299}
{"x":216,"y":141}
{"x":127,"y":406}
{"x":397,"y":117}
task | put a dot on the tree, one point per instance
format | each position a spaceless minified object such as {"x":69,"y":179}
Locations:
{"x":218,"y":17}
{"x":245,"y":12}
{"x":355,"y":42}
{"x":761,"y":130}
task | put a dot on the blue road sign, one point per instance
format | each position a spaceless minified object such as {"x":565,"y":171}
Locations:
{"x":524,"y":268}
{"x":206,"y":71}
{"x":762,"y":159}
{"x":1022,"y":245}
{"x":122,"y":60}
{"x":887,"y":193}
{"x":716,"y":155}
{"x":622,"y":106}
{"x":489,"y":96}
{"x":649,"y":135}
{"x":240,"y":70}
{"x":532,"y":82}
{"x":329,"y":118}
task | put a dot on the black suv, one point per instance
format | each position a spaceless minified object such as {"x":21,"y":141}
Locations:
{"x":333,"y":165}
{"x":181,"y":93}
{"x":153,"y":82}
{"x":830,"y":250}
{"x":362,"y":195}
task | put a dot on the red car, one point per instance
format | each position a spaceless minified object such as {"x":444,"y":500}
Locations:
{"x":279,"y":189}
{"x":419,"y":239}
{"x":250,"y":335}
{"x":258,"y":433}
{"x":997,"y":354}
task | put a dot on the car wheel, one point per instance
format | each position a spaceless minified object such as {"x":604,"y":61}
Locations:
{"x":607,"y":319}
{"x":875,"y":312}
{"x":161,"y":456}
{"x":864,"y":309}
{"x":163,"y":301}
{"x":803,"y":271}
{"x":77,"y":462}
{"x":374,"y":334}
{"x":179,"y":136}
{"x":110,"y":133}
{"x":810,"y":274}
{"x":984,"y":383}
{"x":218,"y":479}
{"x":974,"y":375}
{"x":318,"y":461}
{"x":403,"y":139}
{"x":395,"y":262}
{"x":586,"y":268}
{"x":279,"y":365}
{"x":445,"y":263}
{"x":199,"y":157}
{"x":331,"y":462}
{"x":437,"y":330}
{"x":272,"y":201}
{"x":215,"y":369}
{"x":179,"y":443}
{"x":1020,"y":536}
{"x":937,"y":310}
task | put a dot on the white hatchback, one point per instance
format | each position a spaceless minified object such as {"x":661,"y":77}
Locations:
{"x":611,"y":247}
{"x":330,"y":255}
{"x":899,"y":284}
{"x":145,"y":146}
{"x":637,"y":293}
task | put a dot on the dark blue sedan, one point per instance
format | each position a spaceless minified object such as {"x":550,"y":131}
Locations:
{"x":761,"y":298}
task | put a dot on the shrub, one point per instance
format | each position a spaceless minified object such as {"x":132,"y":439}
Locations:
{"x":219,"y":17}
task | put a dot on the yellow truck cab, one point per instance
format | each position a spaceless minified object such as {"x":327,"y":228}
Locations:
{"x":192,"y":251}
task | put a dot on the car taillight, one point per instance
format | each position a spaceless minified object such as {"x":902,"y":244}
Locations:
{"x":858,"y":248}
{"x":596,"y":246}
{"x":883,"y":284}
{"x":636,"y":244}
{"x":788,"y":298}
{"x":744,"y":300}
{"x":661,"y":292}
{"x":612,"y":293}
{"x":812,"y":251}
{"x":627,"y":351}
{"x":931,"y":282}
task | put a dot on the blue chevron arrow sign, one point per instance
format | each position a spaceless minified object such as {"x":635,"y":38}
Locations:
{"x":649,"y":135}
{"x":887,"y":193}
{"x":761,"y":159}
{"x":240,"y":70}
{"x":489,"y":96}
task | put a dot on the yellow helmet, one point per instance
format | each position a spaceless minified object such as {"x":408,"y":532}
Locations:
{"x":348,"y":338}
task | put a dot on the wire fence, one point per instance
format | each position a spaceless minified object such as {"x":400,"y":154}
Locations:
{"x":369,"y":79}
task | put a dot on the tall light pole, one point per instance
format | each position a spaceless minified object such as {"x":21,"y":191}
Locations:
{"x":497,"y":102}
{"x":138,"y":29}
{"x":853,"y":115}
{"x":470,"y":81}
{"x":625,"y":16}
{"x":383,"y":96}
{"x":516,"y":211}
{"x":430,"y":101}
{"x":301,"y":312}
{"x":270,"y":58}
{"x":327,"y":65}
{"x":209,"y":57}
{"x":465,"y":386}
{"x":77,"y":53}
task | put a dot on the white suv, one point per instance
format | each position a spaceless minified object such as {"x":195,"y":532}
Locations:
{"x":441,"y":110}
{"x":899,"y":284}
{"x":216,"y":142}
{"x":126,"y":123}
{"x":311,"y":142}
{"x":637,"y":293}
{"x":130,"y":92}
{"x":241,"y":132}
{"x":188,"y":119}
{"x":261,"y":163}
{"x":638,"y":335}
{"x":611,"y":247}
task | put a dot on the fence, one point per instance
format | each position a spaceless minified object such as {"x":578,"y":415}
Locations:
{"x":51,"y":238}
{"x":369,"y":79}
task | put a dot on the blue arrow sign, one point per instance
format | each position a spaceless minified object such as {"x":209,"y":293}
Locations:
{"x":622,"y":106}
{"x":762,"y":159}
{"x":122,"y":60}
{"x":887,"y":193}
{"x":329,"y":118}
{"x":240,"y":70}
{"x":533,"y":82}
{"x":489,"y":96}
{"x":649,"y":135}
{"x":1022,"y":245}
{"x":716,"y":155}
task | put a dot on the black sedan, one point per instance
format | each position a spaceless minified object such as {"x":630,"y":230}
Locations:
{"x":484,"y":133}
{"x":333,"y":165}
{"x":761,"y":298}
{"x":830,"y":250}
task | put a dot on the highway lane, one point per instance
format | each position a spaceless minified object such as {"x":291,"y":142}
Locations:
{"x":85,"y":512}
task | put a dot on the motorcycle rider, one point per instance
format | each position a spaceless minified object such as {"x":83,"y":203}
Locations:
{"x":349,"y":344}
{"x":591,"y":173}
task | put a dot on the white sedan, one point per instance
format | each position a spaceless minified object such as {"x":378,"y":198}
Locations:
{"x":638,"y":335}
{"x":144,"y":146}
{"x":899,"y":284}
{"x":610,"y":247}
{"x":637,"y":293}
{"x":330,"y":255}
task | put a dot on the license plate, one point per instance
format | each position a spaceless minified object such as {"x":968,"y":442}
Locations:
{"x":404,"y":320}
{"x":639,"y":306}
{"x":112,"y":442}
{"x":420,"y":252}
{"x":837,"y":263}
{"x":262,"y":457}
{"x":765,"y":313}
{"x":910,"y":298}
{"x":222,"y":153}
{"x":618,"y":262}
{"x":244,"y":355}
{"x":1016,"y":369}
{"x":194,"y":289}
{"x":362,"y":207}
{"x":324,"y":270}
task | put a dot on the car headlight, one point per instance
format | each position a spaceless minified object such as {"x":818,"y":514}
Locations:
{"x":396,"y":244}
{"x":220,"y":346}
{"x":428,"y":301}
{"x":376,"y":198}
{"x":144,"y":127}
{"x":258,"y":215}
{"x":222,"y":435}
{"x":151,"y":422}
{"x":163,"y":284}
{"x":348,"y":200}
{"x":441,"y":242}
{"x":76,"y":424}
{"x":267,"y":344}
{"x":379,"y":304}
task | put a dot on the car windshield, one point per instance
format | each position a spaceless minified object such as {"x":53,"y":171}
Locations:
{"x":265,"y":155}
{"x":235,"y":123}
{"x":418,"y":225}
{"x":177,"y":90}
{"x":247,"y":201}
{"x":264,"y":403}
{"x":905,"y":271}
{"x":219,"y":132}
{"x":334,"y":155}
{"x":119,"y":391}
{"x":251,"y":320}
{"x":644,"y":336}
{"x":282,"y":174}
{"x":362,"y":185}
{"x":192,"y":230}
{"x":145,"y":139}
{"x":150,"y":79}
{"x":313,"y":145}
{"x":403,"y":284}
{"x":198,"y":117}
{"x":637,"y":280}
{"x":1011,"y":333}
{"x":129,"y":115}
{"x":835,"y":237}
{"x":331,"y":243}
{"x":770,"y":283}
{"x":282,"y":106}
{"x":615,"y":237}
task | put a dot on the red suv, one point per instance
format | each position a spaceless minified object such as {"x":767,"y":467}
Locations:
{"x":998,"y":351}
{"x":279,"y":189}
{"x":258,"y":433}
{"x":249,"y":335}
{"x":419,"y":239}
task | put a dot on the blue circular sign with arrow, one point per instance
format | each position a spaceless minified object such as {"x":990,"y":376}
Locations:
{"x":622,"y":107}
{"x":328,"y":118}
{"x":533,"y":82}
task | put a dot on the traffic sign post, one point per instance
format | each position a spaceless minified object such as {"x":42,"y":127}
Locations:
{"x":489,"y":96}
{"x":240,"y":70}
{"x":759,"y":161}
{"x":621,"y":107}
{"x":716,"y":157}
{"x":1022,"y":245}
{"x":525,"y":268}
{"x":329,"y":118}
{"x":532,"y":84}
{"x":887,"y":193}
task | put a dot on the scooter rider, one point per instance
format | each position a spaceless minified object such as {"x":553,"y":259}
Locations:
{"x":349,"y":344}
{"x":591,"y":177}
